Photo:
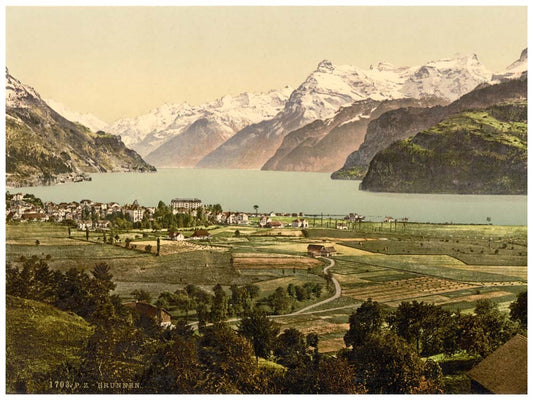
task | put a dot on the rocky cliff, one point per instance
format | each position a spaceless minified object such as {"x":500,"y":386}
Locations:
{"x":323,"y":145}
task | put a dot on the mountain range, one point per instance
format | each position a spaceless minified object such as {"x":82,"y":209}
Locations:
{"x":251,"y":134}
{"x":337,"y":119}
{"x":41,"y":144}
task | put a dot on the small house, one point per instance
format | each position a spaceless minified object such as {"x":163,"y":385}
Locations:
{"x":300,"y":223}
{"x":175,"y":236}
{"x":275,"y":224}
{"x":34,"y":216}
{"x":318,"y":250}
{"x":504,"y":371}
{"x":201,"y":234}
{"x":160,"y":315}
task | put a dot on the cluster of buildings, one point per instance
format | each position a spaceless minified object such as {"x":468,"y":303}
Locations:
{"x":87,"y":214}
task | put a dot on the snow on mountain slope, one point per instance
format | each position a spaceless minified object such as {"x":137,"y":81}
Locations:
{"x":147,"y":132}
{"x":19,"y":95}
{"x":89,"y":120}
{"x":449,"y":78}
{"x":330,"y":87}
{"x":515,"y":70}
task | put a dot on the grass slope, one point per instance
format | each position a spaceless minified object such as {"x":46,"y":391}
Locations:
{"x":39,"y":338}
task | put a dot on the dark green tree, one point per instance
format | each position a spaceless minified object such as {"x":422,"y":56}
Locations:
{"x":330,"y":375}
{"x":422,"y":324}
{"x":518,"y":309}
{"x":366,"y":320}
{"x":280,"y":301}
{"x":219,"y":308}
{"x":290,"y":348}
{"x":174,"y":368}
{"x":141,"y":295}
{"x":261,"y":331}
{"x":184,"y":302}
{"x":228,"y":361}
{"x":387,"y":364}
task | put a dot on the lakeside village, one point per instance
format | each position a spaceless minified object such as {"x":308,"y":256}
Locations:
{"x":88,"y":215}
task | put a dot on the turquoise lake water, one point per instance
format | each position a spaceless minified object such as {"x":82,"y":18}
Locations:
{"x":310,"y":193}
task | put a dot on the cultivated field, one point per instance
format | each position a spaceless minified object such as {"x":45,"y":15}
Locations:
{"x":449,"y":265}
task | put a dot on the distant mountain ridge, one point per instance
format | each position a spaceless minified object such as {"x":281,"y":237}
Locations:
{"x":225,"y":116}
{"x":86,"y":119}
{"x":323,"y":145}
{"x":41,"y":144}
{"x":406,"y":122}
{"x":330,"y":87}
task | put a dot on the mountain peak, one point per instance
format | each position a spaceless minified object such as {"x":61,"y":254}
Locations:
{"x":325,"y":66}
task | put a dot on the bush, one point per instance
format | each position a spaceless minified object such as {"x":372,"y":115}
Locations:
{"x":148,"y":248}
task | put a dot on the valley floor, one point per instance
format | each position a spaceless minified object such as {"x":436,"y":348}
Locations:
{"x":449,"y":265}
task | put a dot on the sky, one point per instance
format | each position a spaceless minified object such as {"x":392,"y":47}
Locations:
{"x":117,"y":62}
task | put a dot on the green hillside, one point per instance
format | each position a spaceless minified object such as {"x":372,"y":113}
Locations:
{"x":41,"y":144}
{"x":474,"y":152}
{"x":39,"y":338}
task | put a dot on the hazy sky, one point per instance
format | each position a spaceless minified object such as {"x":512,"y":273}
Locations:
{"x":123,"y":61}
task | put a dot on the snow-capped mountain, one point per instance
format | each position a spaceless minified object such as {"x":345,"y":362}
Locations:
{"x":515,"y":70}
{"x":86,"y":119}
{"x":330,"y":87}
{"x":19,"y":95}
{"x":230,"y":113}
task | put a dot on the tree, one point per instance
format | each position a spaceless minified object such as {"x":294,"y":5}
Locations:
{"x":518,"y":309}
{"x":261,"y":332}
{"x":184,"y":302}
{"x":290,"y":348}
{"x":158,"y":246}
{"x":37,"y":242}
{"x":174,"y":368}
{"x":280,"y":300}
{"x":228,"y":360}
{"x":141,"y":295}
{"x":256,"y":207}
{"x":86,"y":233}
{"x":497,"y":326}
{"x":387,"y":364}
{"x":330,"y":375}
{"x":423,"y":324}
{"x":366,"y":320}
{"x":219,"y":309}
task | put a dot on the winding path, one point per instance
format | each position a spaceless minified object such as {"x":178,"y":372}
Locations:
{"x":335,"y":296}
{"x":305,"y":309}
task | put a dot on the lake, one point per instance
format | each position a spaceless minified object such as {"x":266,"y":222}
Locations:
{"x":310,"y":193}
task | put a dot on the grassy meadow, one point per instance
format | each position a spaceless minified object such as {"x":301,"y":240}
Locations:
{"x":449,"y":265}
